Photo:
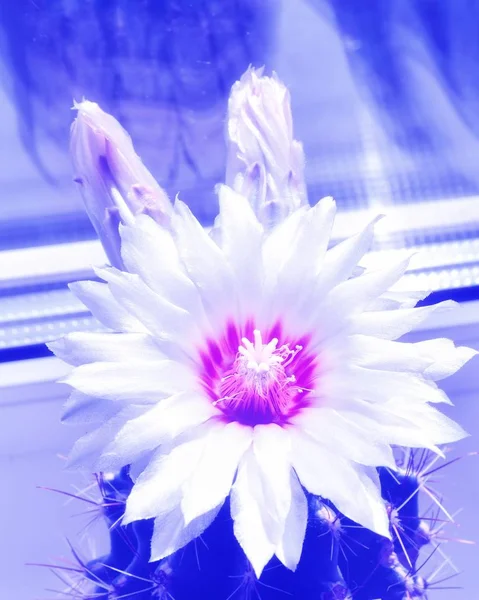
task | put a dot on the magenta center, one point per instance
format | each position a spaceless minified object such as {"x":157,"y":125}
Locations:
{"x":255,"y":377}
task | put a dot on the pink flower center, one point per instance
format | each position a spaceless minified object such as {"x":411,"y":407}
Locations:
{"x":256,"y":379}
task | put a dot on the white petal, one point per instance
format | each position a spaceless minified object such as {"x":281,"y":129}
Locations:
{"x":205,"y":264}
{"x":161,"y":424}
{"x":392,"y":324}
{"x":276,"y":247}
{"x":261,"y":496}
{"x":435,"y":426}
{"x":170,"y":532}
{"x":272,"y":450}
{"x":434,"y":359}
{"x":211,"y":482}
{"x":342,"y":259}
{"x":85,"y":347}
{"x":99,"y":300}
{"x":159,"y":487}
{"x":83,"y":409}
{"x":162,"y":319}
{"x":291,"y":545}
{"x":299,"y":271}
{"x":380,"y":424}
{"x":346,"y":484}
{"x":254,"y":528}
{"x":356,"y":293}
{"x":88,"y":448}
{"x":332,"y":315}
{"x":403,"y":423}
{"x":357,"y":383}
{"x":328,"y":427}
{"x":377,"y":386}
{"x":376,"y":353}
{"x":150,"y":251}
{"x":445,"y":357}
{"x":242,"y":238}
{"x":145,"y":381}
{"x":308,"y":250}
{"x":393,"y":300}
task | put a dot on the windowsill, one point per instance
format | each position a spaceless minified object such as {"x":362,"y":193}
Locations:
{"x":62,"y":262}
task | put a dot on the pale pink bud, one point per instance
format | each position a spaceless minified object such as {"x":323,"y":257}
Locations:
{"x":265,"y":162}
{"x":114,"y":182}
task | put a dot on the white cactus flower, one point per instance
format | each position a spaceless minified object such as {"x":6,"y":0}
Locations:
{"x":255,"y":368}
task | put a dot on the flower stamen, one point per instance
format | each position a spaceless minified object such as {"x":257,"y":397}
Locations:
{"x":258,"y":382}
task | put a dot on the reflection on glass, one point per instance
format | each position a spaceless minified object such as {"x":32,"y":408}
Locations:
{"x":384,"y":97}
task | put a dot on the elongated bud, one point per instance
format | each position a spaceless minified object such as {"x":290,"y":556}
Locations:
{"x":115,"y":184}
{"x":265,"y":163}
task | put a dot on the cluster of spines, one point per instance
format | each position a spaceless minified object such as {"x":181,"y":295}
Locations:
{"x":340,"y":561}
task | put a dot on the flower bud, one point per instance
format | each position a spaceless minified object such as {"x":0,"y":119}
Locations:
{"x":265,"y":163}
{"x":115,"y":184}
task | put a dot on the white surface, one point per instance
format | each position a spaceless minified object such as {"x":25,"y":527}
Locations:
{"x":17,"y":377}
{"x":36,"y":523}
{"x":50,"y":263}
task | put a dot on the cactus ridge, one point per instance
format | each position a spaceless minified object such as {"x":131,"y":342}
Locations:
{"x":340,"y":561}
